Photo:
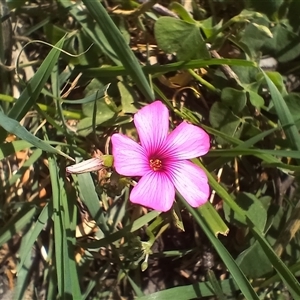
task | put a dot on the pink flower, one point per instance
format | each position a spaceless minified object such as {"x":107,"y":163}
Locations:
{"x":161,"y":159}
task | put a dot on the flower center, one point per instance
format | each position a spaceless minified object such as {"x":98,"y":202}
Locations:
{"x":155,"y":164}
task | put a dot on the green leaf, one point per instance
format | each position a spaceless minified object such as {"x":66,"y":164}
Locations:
{"x":233,"y":268}
{"x":97,"y":112}
{"x":155,"y":69}
{"x":16,"y":223}
{"x":14,"y":127}
{"x":252,"y":37}
{"x":64,"y":219}
{"x":137,"y":224}
{"x":182,"y":37}
{"x":255,"y":99}
{"x":118,"y":43}
{"x":222,"y":117}
{"x":264,"y":29}
{"x":213,"y":219}
{"x":253,"y":209}
{"x":254,"y":261}
{"x":182,"y":12}
{"x":278,"y":81}
{"x":282,"y":270}
{"x":284,"y":115}
{"x":285,"y":44}
{"x":257,"y":152}
{"x":292,"y":101}
{"x":269,"y":7}
{"x":33,"y":234}
{"x":13,"y":147}
{"x":91,"y":200}
{"x":293,"y":14}
{"x":92,"y":30}
{"x":27,"y":266}
{"x":128,"y":98}
{"x":197,"y":290}
{"x":36,"y":84}
{"x":234,"y":99}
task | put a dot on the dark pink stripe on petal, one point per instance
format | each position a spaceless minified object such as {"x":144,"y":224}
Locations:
{"x":152,"y":124}
{"x":187,"y":141}
{"x":190,"y":181}
{"x":130,"y":158}
{"x":154,"y":190}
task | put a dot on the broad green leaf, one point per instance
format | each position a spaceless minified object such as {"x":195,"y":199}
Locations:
{"x":278,"y":81}
{"x":268,"y":7}
{"x":89,"y":98}
{"x":285,"y":44}
{"x":222,"y":118}
{"x":264,"y":29}
{"x":293,"y":15}
{"x":184,"y":38}
{"x":292,"y":101}
{"x":252,"y":37}
{"x":128,"y":98}
{"x":103,"y":109}
{"x":254,"y":261}
{"x":209,"y":28}
{"x":255,"y":99}
{"x":234,"y":99}
{"x":253,"y":209}
{"x":85,"y":126}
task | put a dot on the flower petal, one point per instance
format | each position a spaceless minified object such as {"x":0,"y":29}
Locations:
{"x":186,"y":141}
{"x":130,"y":158}
{"x":152,"y":124}
{"x":190,"y":181}
{"x":154,"y":190}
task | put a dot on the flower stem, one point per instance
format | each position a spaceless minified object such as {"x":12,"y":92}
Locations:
{"x":204,"y":82}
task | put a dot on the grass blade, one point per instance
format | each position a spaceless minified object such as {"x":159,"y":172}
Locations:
{"x":282,"y":270}
{"x":233,"y":268}
{"x":197,"y":290}
{"x":64,"y":219}
{"x":284,"y":114}
{"x":12,"y":126}
{"x":16,"y":223}
{"x":116,"y":40}
{"x":36,"y":84}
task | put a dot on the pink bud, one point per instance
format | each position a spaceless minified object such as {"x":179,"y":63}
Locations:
{"x":90,"y":165}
